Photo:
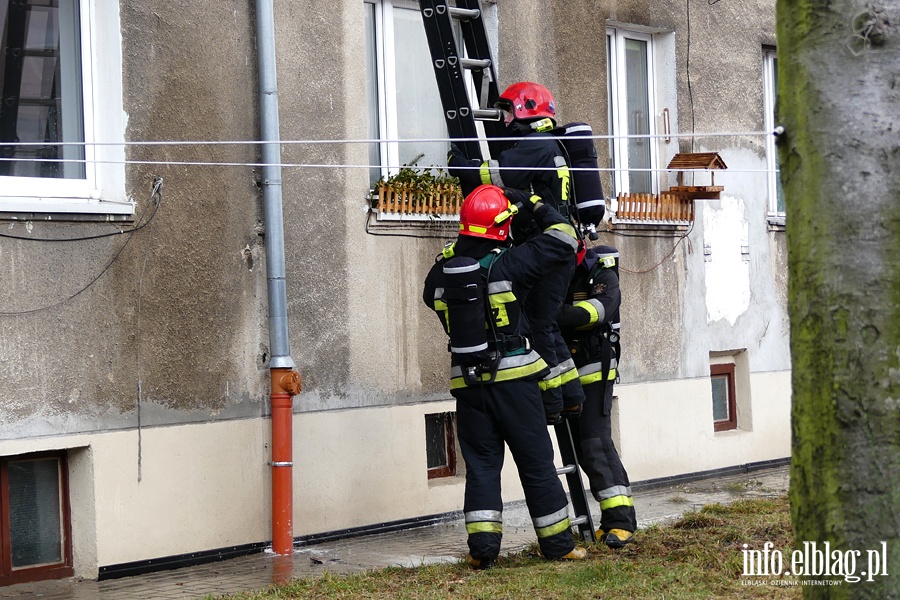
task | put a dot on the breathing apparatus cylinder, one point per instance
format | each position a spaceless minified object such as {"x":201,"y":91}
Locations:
{"x":585,"y":174}
{"x":464,"y":291}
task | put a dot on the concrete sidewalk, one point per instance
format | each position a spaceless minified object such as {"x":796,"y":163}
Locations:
{"x":413,"y":547}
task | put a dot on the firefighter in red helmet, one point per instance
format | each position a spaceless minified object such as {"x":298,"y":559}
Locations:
{"x":476,"y":288}
{"x":535,"y":164}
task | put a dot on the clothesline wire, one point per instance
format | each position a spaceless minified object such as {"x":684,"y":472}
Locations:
{"x":444,"y":140}
{"x":387,"y":141}
{"x":289,"y":165}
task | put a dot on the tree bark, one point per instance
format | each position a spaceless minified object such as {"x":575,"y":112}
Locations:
{"x":839,"y":102}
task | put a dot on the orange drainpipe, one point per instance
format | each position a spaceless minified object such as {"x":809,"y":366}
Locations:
{"x":285,"y":381}
{"x":286,"y":384}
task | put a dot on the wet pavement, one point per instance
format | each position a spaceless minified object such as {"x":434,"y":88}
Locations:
{"x":413,"y":547}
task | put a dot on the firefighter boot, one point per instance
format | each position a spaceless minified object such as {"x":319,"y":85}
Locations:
{"x":575,"y":554}
{"x":615,"y":538}
{"x":480,"y":564}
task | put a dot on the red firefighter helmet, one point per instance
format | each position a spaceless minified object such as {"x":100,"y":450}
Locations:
{"x":527,"y":100}
{"x":479,"y":211}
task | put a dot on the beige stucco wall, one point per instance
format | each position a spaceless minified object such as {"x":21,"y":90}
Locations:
{"x":666,"y":428}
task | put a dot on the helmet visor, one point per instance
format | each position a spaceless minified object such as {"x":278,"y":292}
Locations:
{"x":507,"y":111}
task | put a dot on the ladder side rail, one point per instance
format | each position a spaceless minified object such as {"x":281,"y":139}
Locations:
{"x":448,"y":72}
{"x":485,"y":80}
{"x":577,"y":493}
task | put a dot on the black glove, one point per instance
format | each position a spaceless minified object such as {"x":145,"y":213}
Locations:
{"x":522,"y":200}
{"x":455,"y":151}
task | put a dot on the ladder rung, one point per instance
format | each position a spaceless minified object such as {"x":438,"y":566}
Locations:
{"x":486,"y":114}
{"x":565,"y":470}
{"x":475,"y":63}
{"x":464,"y":13}
{"x":578,"y":520}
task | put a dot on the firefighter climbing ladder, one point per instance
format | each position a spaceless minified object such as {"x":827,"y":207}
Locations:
{"x":450,"y":66}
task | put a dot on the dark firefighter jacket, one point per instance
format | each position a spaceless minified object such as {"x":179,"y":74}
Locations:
{"x":509,"y":276}
{"x":535,"y":164}
{"x":590,"y":317}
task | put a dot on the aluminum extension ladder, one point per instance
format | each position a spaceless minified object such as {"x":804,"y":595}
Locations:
{"x":450,"y":65}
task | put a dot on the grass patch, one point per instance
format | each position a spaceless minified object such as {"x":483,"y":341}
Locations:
{"x":697,"y":556}
{"x":739,"y":487}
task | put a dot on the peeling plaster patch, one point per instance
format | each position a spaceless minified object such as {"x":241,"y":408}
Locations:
{"x":725,"y":231}
{"x":74,"y":396}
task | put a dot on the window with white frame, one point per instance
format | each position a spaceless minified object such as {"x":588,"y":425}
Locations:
{"x":770,"y":95}
{"x":57,"y":155}
{"x":632,"y":110}
{"x":404,"y":103}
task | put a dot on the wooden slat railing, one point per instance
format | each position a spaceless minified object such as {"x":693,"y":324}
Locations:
{"x":663,"y":208}
{"x":403,"y":200}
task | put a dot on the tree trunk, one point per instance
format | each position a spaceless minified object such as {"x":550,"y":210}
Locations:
{"x":839,"y":102}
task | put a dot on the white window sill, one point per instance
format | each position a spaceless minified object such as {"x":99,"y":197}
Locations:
{"x":776,"y":222}
{"x":49,"y":206}
{"x":415,"y":217}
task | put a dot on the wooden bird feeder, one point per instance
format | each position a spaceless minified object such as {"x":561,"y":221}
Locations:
{"x":695,"y":161}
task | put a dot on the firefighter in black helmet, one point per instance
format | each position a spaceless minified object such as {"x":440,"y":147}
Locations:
{"x":535,"y":165}
{"x":589,"y":320}
{"x":475,"y":287}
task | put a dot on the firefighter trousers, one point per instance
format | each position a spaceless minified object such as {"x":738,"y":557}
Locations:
{"x":600,"y":461}
{"x":509,"y":412}
{"x":541,"y":307}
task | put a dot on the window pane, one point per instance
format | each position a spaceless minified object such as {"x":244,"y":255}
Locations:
{"x":720,"y":398}
{"x":638,"y":110}
{"x":436,"y":440}
{"x":42,"y":96}
{"x":610,"y":116}
{"x":35,"y":523}
{"x":419,"y":111}
{"x":778,"y":190}
{"x":372,"y":76}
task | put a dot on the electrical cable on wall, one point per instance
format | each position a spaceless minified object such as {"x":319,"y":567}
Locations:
{"x":688,"y":71}
{"x":665,"y":258}
{"x":431,"y":236}
{"x":157,"y":186}
{"x":154,"y":201}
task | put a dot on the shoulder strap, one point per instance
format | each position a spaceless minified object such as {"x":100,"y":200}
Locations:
{"x":488,"y":259}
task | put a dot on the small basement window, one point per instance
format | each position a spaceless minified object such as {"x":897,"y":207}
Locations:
{"x":440,"y":444}
{"x":35,"y":529}
{"x":723,"y":396}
